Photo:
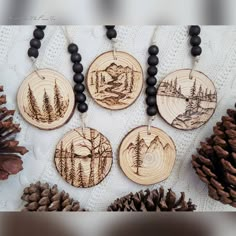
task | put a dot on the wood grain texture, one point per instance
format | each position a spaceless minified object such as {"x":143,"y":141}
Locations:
{"x":147,"y":158}
{"x":46,"y":99}
{"x":115,"y":83}
{"x":186,"y":103}
{"x":83,"y":157}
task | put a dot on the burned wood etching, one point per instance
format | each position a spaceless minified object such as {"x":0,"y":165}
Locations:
{"x":115,"y":84}
{"x":83,"y":157}
{"x":147,"y":158}
{"x":46,"y":103}
{"x":186,"y":103}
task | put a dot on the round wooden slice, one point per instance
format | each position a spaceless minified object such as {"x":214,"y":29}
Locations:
{"x":186,"y":103}
{"x":115,"y":80}
{"x":83,"y":157}
{"x":46,"y":99}
{"x":147,"y":158}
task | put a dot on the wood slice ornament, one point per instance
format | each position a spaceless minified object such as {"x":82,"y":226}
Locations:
{"x":147,"y":157}
{"x":115,"y":80}
{"x":186,"y":103}
{"x":46,"y":99}
{"x":83,"y":157}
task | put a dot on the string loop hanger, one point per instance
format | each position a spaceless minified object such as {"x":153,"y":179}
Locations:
{"x":196,"y":51}
{"x":111,"y":35}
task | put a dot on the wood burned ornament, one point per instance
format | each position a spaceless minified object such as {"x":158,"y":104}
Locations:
{"x":186,"y":103}
{"x":83,"y":157}
{"x":147,"y":158}
{"x":46,"y":99}
{"x":115,"y":80}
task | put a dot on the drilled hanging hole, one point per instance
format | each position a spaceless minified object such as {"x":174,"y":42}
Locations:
{"x":187,"y":99}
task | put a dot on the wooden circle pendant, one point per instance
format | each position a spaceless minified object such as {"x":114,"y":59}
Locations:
{"x":147,"y":158}
{"x":46,"y":99}
{"x":186,"y":103}
{"x":115,"y":80}
{"x":83,"y":157}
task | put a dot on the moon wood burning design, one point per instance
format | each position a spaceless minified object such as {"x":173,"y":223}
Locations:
{"x":46,"y":99}
{"x":186,"y":103}
{"x":83,"y":157}
{"x":147,"y":158}
{"x":115,"y":83}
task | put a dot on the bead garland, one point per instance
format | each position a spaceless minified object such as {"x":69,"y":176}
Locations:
{"x":195,"y":40}
{"x":78,"y":78}
{"x":35,"y":42}
{"x":151,"y":81}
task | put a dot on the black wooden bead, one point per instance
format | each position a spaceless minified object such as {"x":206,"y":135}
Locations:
{"x":151,"y":81}
{"x":111,"y":33}
{"x":79,"y":88}
{"x":33,"y":52}
{"x":153,"y":60}
{"x":80,"y":98}
{"x":195,"y":41}
{"x":82,"y":107}
{"x":35,"y":43}
{"x":151,"y":100}
{"x":151,"y":91}
{"x":73,"y":48}
{"x":153,"y":50}
{"x":152,"y":70}
{"x":78,"y":78}
{"x":152,"y":110}
{"x":38,"y":34}
{"x":110,"y":26}
{"x":78,"y":68}
{"x":194,"y":30}
{"x":42,"y":27}
{"x":196,"y":51}
{"x":75,"y":57}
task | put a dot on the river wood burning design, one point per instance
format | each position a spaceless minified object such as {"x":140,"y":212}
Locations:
{"x":83,"y":157}
{"x":186,"y":103}
{"x":147,"y":158}
{"x":45,"y":99}
{"x":115,"y":83}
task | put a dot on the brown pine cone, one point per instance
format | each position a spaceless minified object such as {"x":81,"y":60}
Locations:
{"x":152,"y":201}
{"x":10,"y":163}
{"x":215,"y":163}
{"x":40,"y":197}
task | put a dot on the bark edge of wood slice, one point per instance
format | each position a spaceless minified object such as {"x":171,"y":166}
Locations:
{"x":78,"y":163}
{"x":147,"y":158}
{"x":46,"y":103}
{"x":185,"y":103}
{"x":115,"y":84}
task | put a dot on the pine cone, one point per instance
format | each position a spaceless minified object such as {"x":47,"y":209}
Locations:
{"x":40,"y":197}
{"x":10,"y":163}
{"x":152,"y":201}
{"x":215,"y":163}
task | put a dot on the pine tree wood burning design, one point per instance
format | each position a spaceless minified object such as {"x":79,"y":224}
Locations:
{"x":147,"y":158}
{"x":83,"y":157}
{"x":186,"y":103}
{"x":115,"y":83}
{"x":46,"y":101}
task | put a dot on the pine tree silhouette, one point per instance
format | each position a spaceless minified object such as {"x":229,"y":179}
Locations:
{"x":92,"y":78}
{"x":47,"y":108}
{"x":58,"y":101}
{"x":80,"y":175}
{"x":72,"y":159}
{"x":92,"y":159}
{"x":193,"y":89}
{"x":66,"y":169}
{"x":126,"y":85}
{"x":137,"y":162}
{"x":175,"y":85}
{"x":34,"y":109}
{"x":61,"y":159}
{"x":97,"y":82}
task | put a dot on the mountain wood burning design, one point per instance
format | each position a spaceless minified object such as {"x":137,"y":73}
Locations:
{"x":115,"y":84}
{"x":46,"y":102}
{"x":83,"y":157}
{"x":147,"y":158}
{"x":186,"y":103}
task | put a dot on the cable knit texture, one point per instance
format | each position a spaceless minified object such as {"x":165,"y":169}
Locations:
{"x":218,"y":61}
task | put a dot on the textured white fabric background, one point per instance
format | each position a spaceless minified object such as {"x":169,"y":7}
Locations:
{"x":218,"y":61}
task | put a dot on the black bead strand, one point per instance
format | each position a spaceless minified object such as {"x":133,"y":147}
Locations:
{"x":195,"y":40}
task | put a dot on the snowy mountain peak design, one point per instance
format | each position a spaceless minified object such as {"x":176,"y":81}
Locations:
{"x":116,"y":70}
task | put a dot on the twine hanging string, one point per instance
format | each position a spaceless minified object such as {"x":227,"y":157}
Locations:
{"x":36,"y":69}
{"x":195,"y":63}
{"x":83,"y":116}
{"x":153,"y":42}
{"x":114,"y":48}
